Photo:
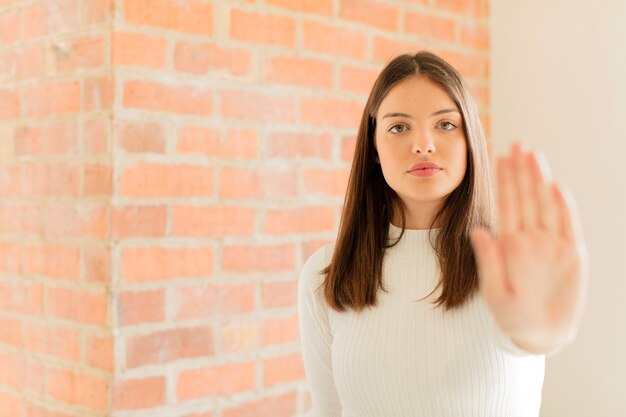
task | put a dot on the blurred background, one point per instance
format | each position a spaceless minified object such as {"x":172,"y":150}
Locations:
{"x":167,"y":166}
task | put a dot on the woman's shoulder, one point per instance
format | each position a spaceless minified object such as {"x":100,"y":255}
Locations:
{"x":311,"y":274}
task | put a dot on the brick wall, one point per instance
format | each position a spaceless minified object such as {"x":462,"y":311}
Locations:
{"x":166,"y":167}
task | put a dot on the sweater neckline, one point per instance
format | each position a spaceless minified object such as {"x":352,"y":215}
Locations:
{"x":414,"y":242}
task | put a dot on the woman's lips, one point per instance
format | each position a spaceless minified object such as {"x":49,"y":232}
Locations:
{"x":424,"y":172}
{"x":424,"y":169}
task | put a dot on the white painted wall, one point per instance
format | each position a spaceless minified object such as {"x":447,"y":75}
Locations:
{"x":559,"y":84}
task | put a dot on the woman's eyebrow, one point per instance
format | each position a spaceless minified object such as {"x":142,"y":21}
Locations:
{"x":438,"y":112}
{"x":396,"y":115}
{"x":445,"y":111}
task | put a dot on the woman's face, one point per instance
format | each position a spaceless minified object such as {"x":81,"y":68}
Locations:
{"x":417,"y":122}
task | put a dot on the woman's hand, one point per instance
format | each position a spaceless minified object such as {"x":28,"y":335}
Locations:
{"x":534,"y":274}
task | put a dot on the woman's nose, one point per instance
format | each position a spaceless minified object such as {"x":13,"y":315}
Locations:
{"x":423,"y":145}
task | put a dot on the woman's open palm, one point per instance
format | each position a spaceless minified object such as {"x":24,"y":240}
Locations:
{"x":534,"y":274}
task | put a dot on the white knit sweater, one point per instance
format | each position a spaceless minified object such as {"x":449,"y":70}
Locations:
{"x":409,"y":359}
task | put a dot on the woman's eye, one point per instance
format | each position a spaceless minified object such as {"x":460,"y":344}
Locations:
{"x":447,"y":126}
{"x":397,"y":129}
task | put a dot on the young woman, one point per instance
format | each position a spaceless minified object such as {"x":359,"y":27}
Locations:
{"x":378,"y":340}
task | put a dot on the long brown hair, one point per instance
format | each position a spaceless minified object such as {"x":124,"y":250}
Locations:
{"x":355,"y":271}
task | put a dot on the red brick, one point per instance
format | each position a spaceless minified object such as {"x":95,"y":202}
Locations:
{"x":52,"y":261}
{"x":166,"y":346}
{"x":59,"y":341}
{"x":50,"y":180}
{"x":30,"y":62}
{"x":17,"y":219}
{"x":37,"y":20}
{"x":158,"y":180}
{"x":283,"y":405}
{"x":97,"y":180}
{"x":326,"y":182}
{"x":11,"y":332}
{"x":22,"y":297}
{"x":332,"y":40}
{"x":95,"y":135}
{"x":138,"y":221}
{"x":81,"y":306}
{"x":281,"y":330}
{"x":258,"y":258}
{"x":385,"y":49}
{"x":204,"y":58}
{"x":22,"y":373}
{"x":135,"y":394}
{"x":156,"y":263}
{"x":10,"y":253}
{"x":11,"y":405}
{"x":79,"y":389}
{"x":33,"y":21}
{"x":371,"y":12}
{"x":358,"y":79}
{"x":192,"y":16}
{"x":429,"y":26}
{"x":279,"y":294}
{"x":220,"y":380}
{"x":10,"y":179}
{"x":141,"y":307}
{"x":28,"y":141}
{"x":99,"y":92}
{"x":138,"y":49}
{"x":229,"y":144}
{"x":263,"y":28}
{"x":78,"y":221}
{"x":301,"y":220}
{"x":331,"y":112}
{"x":140,"y":137}
{"x":99,"y":352}
{"x":299,"y":145}
{"x":55,"y":138}
{"x":51,"y":98}
{"x":472,"y":8}
{"x":68,"y":56}
{"x":96,"y":263}
{"x":212,"y":221}
{"x":9,"y":65}
{"x":309,"y":72}
{"x":245,"y":183}
{"x":94,"y":11}
{"x":322,"y":7}
{"x":9,"y":27}
{"x":282,"y":369}
{"x":475,"y":36}
{"x":214,"y":300}
{"x":11,"y":368}
{"x":348,"y":146}
{"x":469,"y":66}
{"x":180,"y":99}
{"x":9,"y":104}
{"x":480,"y":93}
{"x":258,"y":106}
{"x":239,"y":337}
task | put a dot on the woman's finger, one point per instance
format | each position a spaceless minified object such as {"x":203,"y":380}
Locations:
{"x":547,"y":208}
{"x":509,"y":221}
{"x":526,"y":194}
{"x":569,"y":223}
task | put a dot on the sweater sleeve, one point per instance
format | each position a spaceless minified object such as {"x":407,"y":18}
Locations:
{"x":316,"y":338}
